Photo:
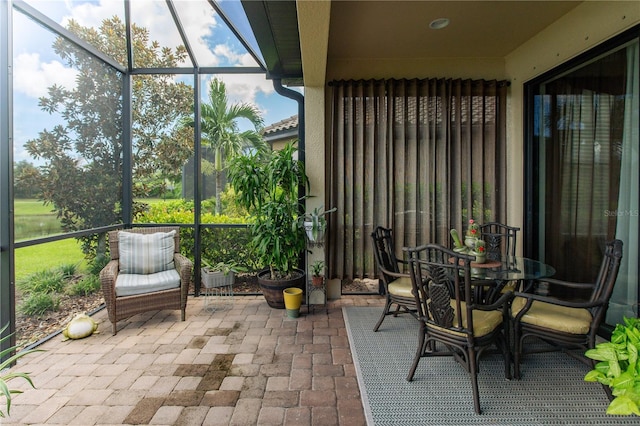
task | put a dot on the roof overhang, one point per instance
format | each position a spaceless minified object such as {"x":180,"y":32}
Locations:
{"x":275,"y":27}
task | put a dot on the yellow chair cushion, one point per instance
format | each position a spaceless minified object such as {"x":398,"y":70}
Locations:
{"x":554,"y":317}
{"x":401,"y":287}
{"x":484,"y":322}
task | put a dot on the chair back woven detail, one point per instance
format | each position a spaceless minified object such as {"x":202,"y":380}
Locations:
{"x":439,"y":306}
{"x":500,"y":240}
{"x":384,"y":250}
{"x":443,"y":279}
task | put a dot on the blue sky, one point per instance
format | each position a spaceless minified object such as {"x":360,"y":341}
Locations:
{"x":37,"y":67}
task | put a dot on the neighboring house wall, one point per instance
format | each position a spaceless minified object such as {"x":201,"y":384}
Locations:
{"x":581,"y":29}
{"x":279,"y":134}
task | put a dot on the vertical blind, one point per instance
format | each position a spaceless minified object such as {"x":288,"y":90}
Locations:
{"x":418,"y":156}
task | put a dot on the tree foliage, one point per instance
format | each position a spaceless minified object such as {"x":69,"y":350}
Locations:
{"x":221,"y":132}
{"x":26,"y":180}
{"x":82,"y":171}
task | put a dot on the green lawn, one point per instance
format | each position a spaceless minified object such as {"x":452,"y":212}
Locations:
{"x":46,"y":256}
{"x":33,"y":219}
{"x":30,"y":207}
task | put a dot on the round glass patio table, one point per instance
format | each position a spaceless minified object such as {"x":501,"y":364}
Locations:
{"x":491,"y":277}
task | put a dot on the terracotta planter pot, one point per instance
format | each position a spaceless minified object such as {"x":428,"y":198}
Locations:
{"x":317,"y":281}
{"x":273,"y":289}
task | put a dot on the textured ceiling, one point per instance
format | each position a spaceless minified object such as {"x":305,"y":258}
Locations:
{"x":400,"y":29}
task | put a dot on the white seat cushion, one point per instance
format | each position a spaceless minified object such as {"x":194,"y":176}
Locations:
{"x":146,"y":253}
{"x":130,"y":284}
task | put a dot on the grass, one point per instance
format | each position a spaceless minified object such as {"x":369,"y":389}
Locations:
{"x":30,"y":260}
{"x":31,"y":207}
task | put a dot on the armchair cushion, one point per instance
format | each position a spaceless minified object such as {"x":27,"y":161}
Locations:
{"x":401,"y":287}
{"x":554,"y":317}
{"x":130,"y":284}
{"x":146,"y":253}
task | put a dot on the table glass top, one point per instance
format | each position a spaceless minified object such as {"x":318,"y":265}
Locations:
{"x":515,"y":268}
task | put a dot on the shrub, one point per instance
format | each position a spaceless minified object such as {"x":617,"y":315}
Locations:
{"x":619,"y":367}
{"x":228,"y":244}
{"x":86,"y":286}
{"x":68,"y":270}
{"x":39,"y":303}
{"x":49,"y":281}
{"x":99,"y":262}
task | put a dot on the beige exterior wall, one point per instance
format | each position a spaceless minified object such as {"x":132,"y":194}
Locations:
{"x":279,"y":145}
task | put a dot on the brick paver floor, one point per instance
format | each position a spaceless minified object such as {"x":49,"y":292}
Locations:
{"x":246,"y":364}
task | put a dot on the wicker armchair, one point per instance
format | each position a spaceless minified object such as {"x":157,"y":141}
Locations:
{"x":397,"y":285}
{"x":565,"y":324}
{"x":142,"y":275}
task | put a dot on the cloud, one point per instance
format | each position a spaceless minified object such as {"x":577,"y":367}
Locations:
{"x":239,"y":59}
{"x":33,"y":77}
{"x":244,"y":87}
{"x":92,"y":14}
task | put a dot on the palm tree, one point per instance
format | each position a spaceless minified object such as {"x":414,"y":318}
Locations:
{"x":220,"y":131}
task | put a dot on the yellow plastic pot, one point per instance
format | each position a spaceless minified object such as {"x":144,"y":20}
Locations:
{"x":292,"y":301}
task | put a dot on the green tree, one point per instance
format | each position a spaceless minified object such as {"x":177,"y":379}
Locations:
{"x":26,"y":180}
{"x":220,"y":132}
{"x":82,"y":171}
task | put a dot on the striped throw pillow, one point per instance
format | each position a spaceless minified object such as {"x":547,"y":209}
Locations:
{"x":146,"y":253}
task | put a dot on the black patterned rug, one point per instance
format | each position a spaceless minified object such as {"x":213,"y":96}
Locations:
{"x":551,"y":391}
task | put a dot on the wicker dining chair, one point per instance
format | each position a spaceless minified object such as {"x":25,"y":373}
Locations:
{"x":500,"y":239}
{"x":500,"y":243}
{"x":562,"y":323}
{"x":452,"y":323}
{"x":146,"y":273}
{"x":396,"y":284}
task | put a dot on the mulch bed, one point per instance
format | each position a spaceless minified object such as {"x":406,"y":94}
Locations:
{"x":32,"y":329}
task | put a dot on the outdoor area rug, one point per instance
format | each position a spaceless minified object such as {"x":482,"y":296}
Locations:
{"x":550,"y":392}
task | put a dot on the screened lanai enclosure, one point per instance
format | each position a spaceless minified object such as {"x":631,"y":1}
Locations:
{"x":106,"y":122}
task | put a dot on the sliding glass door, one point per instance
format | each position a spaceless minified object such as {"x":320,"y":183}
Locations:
{"x":583,"y":171}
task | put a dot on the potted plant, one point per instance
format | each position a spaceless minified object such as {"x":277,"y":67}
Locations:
{"x":315,"y":223}
{"x":220,"y":274}
{"x":317,"y":270}
{"x":617,"y":367}
{"x":267,"y":187}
